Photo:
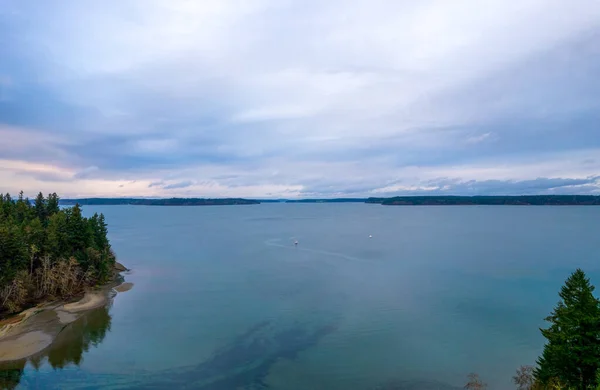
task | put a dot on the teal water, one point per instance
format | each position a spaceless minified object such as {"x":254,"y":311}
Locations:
{"x":223,"y":300}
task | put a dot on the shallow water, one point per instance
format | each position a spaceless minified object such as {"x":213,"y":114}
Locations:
{"x":222,"y":299}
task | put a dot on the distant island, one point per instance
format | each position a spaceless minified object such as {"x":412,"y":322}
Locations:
{"x":523,"y":200}
{"x":158,"y":202}
{"x":519,"y":200}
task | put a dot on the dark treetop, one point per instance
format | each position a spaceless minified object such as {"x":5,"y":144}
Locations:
{"x":571,"y":355}
{"x":46,"y":251}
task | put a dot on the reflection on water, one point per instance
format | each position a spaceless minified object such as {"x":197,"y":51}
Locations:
{"x":415,"y":385}
{"x":246,"y":361}
{"x":9,"y":378}
{"x":429,"y":299}
{"x":68,"y":348}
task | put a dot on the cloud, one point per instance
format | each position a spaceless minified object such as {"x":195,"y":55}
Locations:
{"x":86,"y":172}
{"x":539,"y":186}
{"x":296,"y":98}
{"x":475,"y":139}
{"x":181,"y":184}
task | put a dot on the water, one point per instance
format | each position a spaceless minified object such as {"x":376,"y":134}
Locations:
{"x":223,"y":300}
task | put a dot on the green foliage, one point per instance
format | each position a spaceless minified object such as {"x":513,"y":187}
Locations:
{"x":52,"y":205}
{"x":572,"y":351}
{"x":13,"y":252}
{"x":9,"y":378}
{"x":30,"y":232}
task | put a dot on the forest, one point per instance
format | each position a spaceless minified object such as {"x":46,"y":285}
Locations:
{"x":521,"y":200}
{"x":49,"y":252}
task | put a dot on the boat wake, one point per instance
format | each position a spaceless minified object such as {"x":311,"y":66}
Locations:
{"x":276,"y":242}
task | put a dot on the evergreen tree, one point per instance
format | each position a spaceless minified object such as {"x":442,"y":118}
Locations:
{"x":13,"y":252}
{"x":572,"y":351}
{"x":52,"y":206}
{"x":40,"y":208}
{"x":57,"y":234}
{"x":31,"y":234}
{"x":103,"y":232}
{"x":22,"y":208}
{"x":7,"y":207}
{"x":76,"y":230}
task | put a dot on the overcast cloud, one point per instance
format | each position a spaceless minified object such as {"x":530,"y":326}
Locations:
{"x":299,"y":98}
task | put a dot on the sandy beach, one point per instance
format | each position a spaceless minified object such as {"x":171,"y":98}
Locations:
{"x":24,"y":345}
{"x":90,"y":300}
{"x":124,"y":287}
{"x":35,"y":329}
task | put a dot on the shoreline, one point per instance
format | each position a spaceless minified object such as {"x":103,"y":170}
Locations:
{"x":34,"y":330}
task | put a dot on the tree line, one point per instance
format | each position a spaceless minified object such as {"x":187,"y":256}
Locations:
{"x":519,"y":200}
{"x":49,"y":252}
{"x":160,"y":202}
{"x":571,"y":356}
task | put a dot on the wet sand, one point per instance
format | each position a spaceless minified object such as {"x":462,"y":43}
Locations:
{"x":89,"y":301}
{"x":35,"y":329}
{"x":120,"y":267}
{"x":65,"y":317}
{"x":24,"y":345}
{"x":124,"y":287}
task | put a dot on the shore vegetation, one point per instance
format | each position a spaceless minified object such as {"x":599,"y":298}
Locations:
{"x":49,"y":252}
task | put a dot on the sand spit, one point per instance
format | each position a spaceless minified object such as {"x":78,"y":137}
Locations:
{"x":120,"y":267}
{"x":35,"y":329}
{"x":24,"y":345}
{"x":90,"y":300}
{"x":124,"y":287}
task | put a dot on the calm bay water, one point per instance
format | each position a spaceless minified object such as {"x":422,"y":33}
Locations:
{"x":223,"y":300}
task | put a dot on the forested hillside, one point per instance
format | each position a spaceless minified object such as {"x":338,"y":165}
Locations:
{"x":49,"y":252}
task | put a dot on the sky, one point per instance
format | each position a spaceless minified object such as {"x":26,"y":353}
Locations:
{"x":299,"y":98}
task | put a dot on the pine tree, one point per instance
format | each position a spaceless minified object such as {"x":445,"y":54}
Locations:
{"x":22,"y":206}
{"x":103,"y":232}
{"x":77,"y":229}
{"x":41,"y":236}
{"x":57,"y":237}
{"x":572,"y":351}
{"x":13,"y":252}
{"x":40,"y":208}
{"x":52,"y":206}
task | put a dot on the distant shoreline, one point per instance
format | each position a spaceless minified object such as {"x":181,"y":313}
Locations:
{"x":158,"y":202}
{"x":519,"y":200}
